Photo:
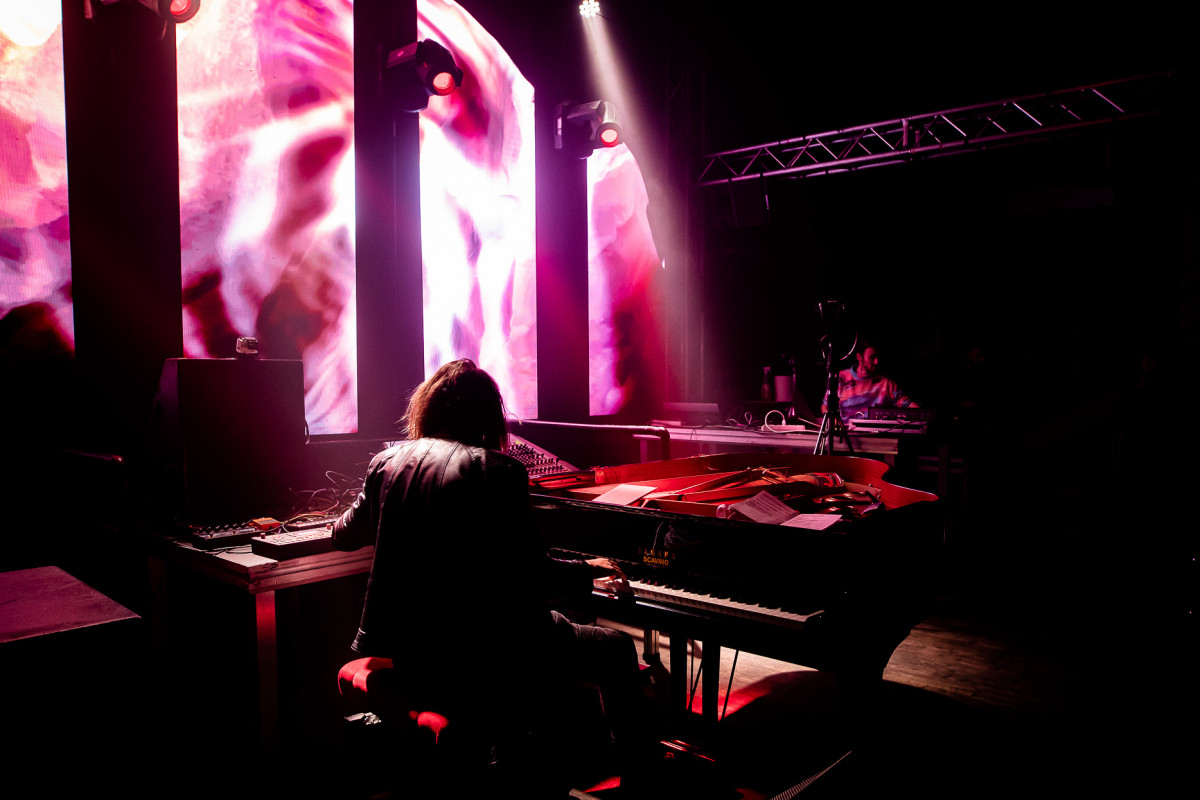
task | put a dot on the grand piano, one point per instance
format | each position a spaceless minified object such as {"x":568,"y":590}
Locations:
{"x":837,"y":586}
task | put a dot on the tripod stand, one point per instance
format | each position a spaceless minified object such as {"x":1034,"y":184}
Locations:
{"x":831,"y":423}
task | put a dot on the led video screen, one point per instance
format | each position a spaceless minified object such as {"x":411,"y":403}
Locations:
{"x":478,"y":211}
{"x":266,"y":172}
{"x":36,"y":310}
{"x":624,"y":339}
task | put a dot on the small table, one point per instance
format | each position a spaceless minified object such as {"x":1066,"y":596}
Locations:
{"x":44,"y":601}
{"x":259,"y":577}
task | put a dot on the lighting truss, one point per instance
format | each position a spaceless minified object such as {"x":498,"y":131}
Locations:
{"x":961,"y":130}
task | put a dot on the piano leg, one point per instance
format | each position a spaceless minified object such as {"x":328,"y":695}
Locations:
{"x":710,"y":679}
{"x":860,"y":684}
{"x":679,"y":675}
{"x":710,"y":667}
{"x":649,"y":645}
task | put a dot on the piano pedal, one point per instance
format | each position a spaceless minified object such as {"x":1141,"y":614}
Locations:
{"x":675,"y":769}
{"x":655,"y":678}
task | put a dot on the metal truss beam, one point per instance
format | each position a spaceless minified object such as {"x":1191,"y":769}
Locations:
{"x":961,"y":130}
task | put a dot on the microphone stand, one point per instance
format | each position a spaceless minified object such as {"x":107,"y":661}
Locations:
{"x":831,"y":422}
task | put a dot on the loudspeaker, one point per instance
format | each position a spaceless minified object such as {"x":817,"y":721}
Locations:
{"x":228,"y":435}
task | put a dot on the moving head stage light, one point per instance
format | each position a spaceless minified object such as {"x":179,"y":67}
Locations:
{"x":175,"y":10}
{"x":414,"y":73}
{"x":580,"y":129}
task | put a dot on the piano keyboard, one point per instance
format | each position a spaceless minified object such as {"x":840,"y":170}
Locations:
{"x":706,"y":602}
{"x":657,"y":591}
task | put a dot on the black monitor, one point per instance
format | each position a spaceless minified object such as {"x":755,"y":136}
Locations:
{"x":228,"y":438}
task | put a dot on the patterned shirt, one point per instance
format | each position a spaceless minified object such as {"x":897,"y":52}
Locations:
{"x":856,"y":395}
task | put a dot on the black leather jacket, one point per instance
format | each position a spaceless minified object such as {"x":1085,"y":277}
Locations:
{"x":459,"y":569}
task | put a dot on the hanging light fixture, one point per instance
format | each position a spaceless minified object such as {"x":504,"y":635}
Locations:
{"x":414,"y":73}
{"x":179,"y":10}
{"x":174,"y":10}
{"x":580,"y":129}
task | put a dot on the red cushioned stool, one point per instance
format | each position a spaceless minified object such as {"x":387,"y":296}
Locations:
{"x":368,"y":683}
{"x":403,"y":747}
{"x":409,"y":746}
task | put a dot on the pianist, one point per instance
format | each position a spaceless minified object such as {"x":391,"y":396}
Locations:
{"x":459,"y":590}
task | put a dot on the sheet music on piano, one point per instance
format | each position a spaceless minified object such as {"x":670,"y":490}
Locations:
{"x":770,"y":510}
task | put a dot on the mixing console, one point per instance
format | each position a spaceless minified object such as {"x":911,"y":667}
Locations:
{"x":538,"y":462}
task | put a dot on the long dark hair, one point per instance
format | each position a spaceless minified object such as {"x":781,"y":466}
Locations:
{"x":461,"y":402}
